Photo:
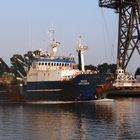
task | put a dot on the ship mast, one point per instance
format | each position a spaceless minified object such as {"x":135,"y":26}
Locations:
{"x":81,"y":49}
{"x":53,"y":44}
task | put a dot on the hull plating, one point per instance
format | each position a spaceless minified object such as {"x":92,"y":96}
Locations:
{"x":82,"y":87}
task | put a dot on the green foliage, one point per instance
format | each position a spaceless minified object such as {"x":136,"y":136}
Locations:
{"x":28,"y":57}
{"x":90,"y":67}
{"x":104,"y":68}
{"x":19,"y":62}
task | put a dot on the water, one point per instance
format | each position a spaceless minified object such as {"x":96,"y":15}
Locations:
{"x":114,"y":120}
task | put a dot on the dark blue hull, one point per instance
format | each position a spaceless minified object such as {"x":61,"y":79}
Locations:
{"x":80,"y":88}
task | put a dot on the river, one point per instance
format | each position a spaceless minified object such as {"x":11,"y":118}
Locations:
{"x":112,"y":120}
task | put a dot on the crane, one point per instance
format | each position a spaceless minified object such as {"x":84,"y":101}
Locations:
{"x":128,"y":30}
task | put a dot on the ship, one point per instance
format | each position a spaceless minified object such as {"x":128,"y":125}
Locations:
{"x":125,"y":80}
{"x":124,"y":85}
{"x":52,"y":78}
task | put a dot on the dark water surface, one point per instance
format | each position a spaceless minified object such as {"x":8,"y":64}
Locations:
{"x":115,"y":120}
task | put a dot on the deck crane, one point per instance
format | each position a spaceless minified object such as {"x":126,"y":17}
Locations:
{"x":129,"y":28}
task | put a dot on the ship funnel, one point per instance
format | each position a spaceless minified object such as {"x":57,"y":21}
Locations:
{"x":81,"y":49}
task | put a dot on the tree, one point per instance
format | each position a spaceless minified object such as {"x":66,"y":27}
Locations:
{"x":113,"y":68}
{"x":90,"y":67}
{"x":104,"y":68}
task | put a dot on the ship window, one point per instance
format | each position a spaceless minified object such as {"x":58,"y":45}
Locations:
{"x":57,"y":64}
{"x":39,"y":63}
{"x":45,"y":63}
{"x":62,"y":64}
{"x":51,"y":64}
{"x":48,"y":64}
{"x":54,"y":64}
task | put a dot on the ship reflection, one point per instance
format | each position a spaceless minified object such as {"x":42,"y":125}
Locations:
{"x":66,"y":121}
{"x":100,"y":120}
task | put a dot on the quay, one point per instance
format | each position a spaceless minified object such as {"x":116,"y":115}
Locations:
{"x":123,"y":93}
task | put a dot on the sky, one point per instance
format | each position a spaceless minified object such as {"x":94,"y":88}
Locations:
{"x":25,"y":24}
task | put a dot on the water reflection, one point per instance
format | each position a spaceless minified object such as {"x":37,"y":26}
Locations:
{"x":128,"y":118}
{"x":102,"y":120}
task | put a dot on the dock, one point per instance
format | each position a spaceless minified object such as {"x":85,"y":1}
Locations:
{"x":123,"y":93}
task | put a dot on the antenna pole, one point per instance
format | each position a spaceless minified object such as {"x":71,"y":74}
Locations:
{"x":53,"y":44}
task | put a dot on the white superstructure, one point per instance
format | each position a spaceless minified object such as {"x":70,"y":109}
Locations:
{"x":81,"y":50}
{"x":44,"y":69}
{"x":125,"y":80}
{"x":48,"y":67}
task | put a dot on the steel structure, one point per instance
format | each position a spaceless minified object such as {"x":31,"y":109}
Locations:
{"x":129,"y":28}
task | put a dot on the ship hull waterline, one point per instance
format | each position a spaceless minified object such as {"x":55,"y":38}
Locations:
{"x":81,"y":88}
